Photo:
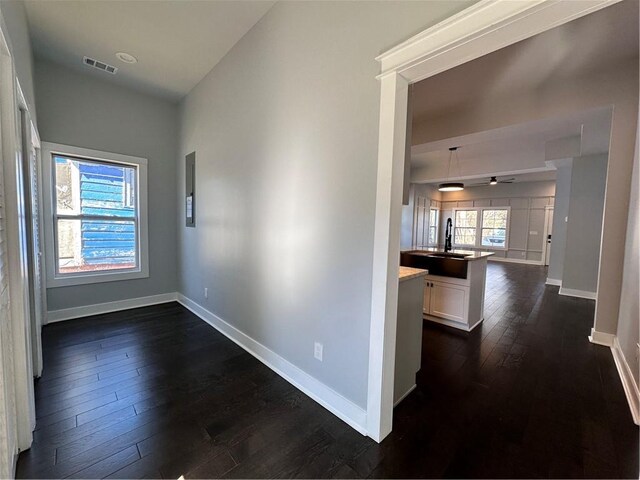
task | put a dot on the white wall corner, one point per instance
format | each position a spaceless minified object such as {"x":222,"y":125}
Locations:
{"x":628,"y":382}
{"x":100,"y":308}
{"x":553,"y":281}
{"x":600,"y":338}
{"x":343,"y":408}
{"x":570,"y":292}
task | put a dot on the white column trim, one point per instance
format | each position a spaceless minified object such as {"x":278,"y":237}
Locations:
{"x":572,"y":292}
{"x":386,"y":248}
{"x":601,"y":338}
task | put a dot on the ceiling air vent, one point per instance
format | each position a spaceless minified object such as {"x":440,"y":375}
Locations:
{"x":92,"y":62}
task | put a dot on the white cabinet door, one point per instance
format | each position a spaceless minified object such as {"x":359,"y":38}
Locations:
{"x":448,"y":301}
{"x":426,"y":302}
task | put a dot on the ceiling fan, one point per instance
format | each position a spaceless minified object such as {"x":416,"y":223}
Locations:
{"x":494,"y":181}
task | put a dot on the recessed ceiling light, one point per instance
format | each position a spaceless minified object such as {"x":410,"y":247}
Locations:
{"x":126,"y":57}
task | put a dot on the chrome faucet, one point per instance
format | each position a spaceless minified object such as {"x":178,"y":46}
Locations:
{"x":447,"y":236}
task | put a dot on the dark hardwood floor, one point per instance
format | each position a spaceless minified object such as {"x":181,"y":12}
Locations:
{"x":156,"y":392}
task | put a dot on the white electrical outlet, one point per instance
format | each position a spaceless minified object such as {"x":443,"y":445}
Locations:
{"x":317,"y":351}
{"x":206,"y":292}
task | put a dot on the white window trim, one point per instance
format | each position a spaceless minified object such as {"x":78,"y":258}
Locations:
{"x":54,"y":280}
{"x":478,"y":228}
{"x":437,"y":225}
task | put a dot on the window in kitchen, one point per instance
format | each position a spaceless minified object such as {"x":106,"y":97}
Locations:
{"x":98,"y":225}
{"x":465,"y":227}
{"x":494,"y":227}
{"x":481,"y":227}
{"x":434,"y":217}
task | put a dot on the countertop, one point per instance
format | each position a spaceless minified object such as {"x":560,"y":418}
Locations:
{"x":407,"y":273}
{"x":469,"y":254}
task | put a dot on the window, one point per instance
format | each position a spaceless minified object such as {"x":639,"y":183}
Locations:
{"x":434,"y":215}
{"x":465,"y":227}
{"x":98,"y":229}
{"x":494,"y":228}
{"x":492,"y":223}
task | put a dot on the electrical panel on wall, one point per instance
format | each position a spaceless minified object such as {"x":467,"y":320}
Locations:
{"x":190,"y":189}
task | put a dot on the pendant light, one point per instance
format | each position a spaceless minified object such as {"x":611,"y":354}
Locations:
{"x":452,"y":186}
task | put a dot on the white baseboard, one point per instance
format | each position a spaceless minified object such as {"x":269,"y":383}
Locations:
{"x":100,"y":308}
{"x":628,"y":382}
{"x":600,"y":338}
{"x":570,"y":292}
{"x":405,"y":395}
{"x":514,"y":260}
{"x":553,"y":281}
{"x":451,"y":323}
{"x":340,"y":406}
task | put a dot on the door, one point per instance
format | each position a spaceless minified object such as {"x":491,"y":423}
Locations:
{"x":548,"y":230}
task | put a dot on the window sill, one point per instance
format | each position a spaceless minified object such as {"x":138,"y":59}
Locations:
{"x":72,"y":280}
{"x":497,"y":249}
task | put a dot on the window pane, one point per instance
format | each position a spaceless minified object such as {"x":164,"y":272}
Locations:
{"x":433,"y":226}
{"x":466,"y":218}
{"x":494,"y":237}
{"x":95,"y":245}
{"x":464,"y":236}
{"x":92,"y":188}
{"x":494,"y":218}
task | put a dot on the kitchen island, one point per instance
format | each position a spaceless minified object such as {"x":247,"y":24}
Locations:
{"x":408,"y":331}
{"x":453,"y":291}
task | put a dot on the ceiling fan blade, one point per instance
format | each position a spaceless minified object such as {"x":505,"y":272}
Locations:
{"x":505,"y":181}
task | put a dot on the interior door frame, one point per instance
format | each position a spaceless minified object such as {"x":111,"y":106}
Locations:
{"x":546,"y":246}
{"x":483,"y":28}
{"x":30,"y":144}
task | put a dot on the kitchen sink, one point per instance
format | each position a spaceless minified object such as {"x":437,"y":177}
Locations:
{"x":458,"y":256}
{"x":445,"y":264}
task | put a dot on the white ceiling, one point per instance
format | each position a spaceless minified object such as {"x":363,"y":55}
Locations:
{"x":517,"y":178}
{"x":176,"y":42}
{"x":508,"y":151}
{"x":594,"y":42}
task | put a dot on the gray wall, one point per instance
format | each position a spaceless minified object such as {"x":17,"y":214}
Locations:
{"x":527,"y":201}
{"x":586,"y":204}
{"x":560,"y":214}
{"x":286,"y":131}
{"x":15,"y":20}
{"x":86,"y":112}
{"x":629,"y":322}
